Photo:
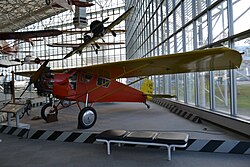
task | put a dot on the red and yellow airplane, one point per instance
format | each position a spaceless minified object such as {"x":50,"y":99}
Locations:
{"x":97,"y":83}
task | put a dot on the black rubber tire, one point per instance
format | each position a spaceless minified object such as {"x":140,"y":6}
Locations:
{"x":47,"y":2}
{"x":87,"y":118}
{"x":37,"y":60}
{"x":47,"y":109}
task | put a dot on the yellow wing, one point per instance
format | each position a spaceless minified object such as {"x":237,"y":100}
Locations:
{"x":193,"y":61}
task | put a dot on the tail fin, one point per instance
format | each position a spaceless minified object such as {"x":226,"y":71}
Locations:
{"x":147,"y":88}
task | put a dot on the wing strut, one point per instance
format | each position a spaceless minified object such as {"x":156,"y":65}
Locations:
{"x":120,"y":76}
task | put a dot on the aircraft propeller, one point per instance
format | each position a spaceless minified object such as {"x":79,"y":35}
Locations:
{"x":97,"y":27}
{"x":35,"y":77}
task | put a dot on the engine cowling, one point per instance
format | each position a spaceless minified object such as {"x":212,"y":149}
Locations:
{"x":97,"y":27}
{"x":44,"y":84}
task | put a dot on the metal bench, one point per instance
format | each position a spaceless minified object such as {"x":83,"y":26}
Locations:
{"x":170,"y":140}
{"x":14,"y":108}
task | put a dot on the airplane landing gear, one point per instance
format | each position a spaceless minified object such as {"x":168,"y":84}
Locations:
{"x":48,"y":109}
{"x":86,"y":118}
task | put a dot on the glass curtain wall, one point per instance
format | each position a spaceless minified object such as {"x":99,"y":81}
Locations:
{"x":111,"y":48}
{"x":170,"y":26}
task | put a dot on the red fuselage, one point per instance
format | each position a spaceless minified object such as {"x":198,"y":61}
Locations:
{"x":77,"y":86}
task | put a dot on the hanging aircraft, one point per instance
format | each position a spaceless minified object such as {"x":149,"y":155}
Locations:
{"x":75,"y":45}
{"x":27,"y":60}
{"x":28,"y":35}
{"x":8,"y":63}
{"x":98,"y":83}
{"x":95,"y":45}
{"x":10,"y":50}
{"x":33,"y":60}
{"x":67,"y":4}
{"x":18,"y":84}
{"x":87,"y":31}
{"x":98,"y":30}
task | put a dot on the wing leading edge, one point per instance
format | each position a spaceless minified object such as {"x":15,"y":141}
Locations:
{"x":29,"y":34}
{"x":193,"y":61}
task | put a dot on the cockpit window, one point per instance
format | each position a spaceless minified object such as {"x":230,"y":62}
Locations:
{"x":88,"y":78}
{"x":103,"y":82}
{"x":73,"y":80}
{"x":85,"y":78}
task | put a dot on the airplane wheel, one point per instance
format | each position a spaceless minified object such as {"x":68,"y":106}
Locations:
{"x":47,"y":2}
{"x":46,"y":109}
{"x":87,"y":118}
{"x":37,"y":60}
{"x":86,"y":38}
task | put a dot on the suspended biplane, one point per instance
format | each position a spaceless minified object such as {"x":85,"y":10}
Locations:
{"x":33,"y":60}
{"x":98,"y":83}
{"x":8,"y":63}
{"x":95,"y":46}
{"x":67,"y":4}
{"x":27,"y":36}
{"x":26,"y":60}
{"x":98,"y":30}
{"x":75,"y":45}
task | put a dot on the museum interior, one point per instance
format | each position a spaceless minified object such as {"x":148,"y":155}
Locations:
{"x":61,"y":54}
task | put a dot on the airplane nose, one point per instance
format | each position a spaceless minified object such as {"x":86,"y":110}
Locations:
{"x":44,"y":84}
{"x":96,"y":27}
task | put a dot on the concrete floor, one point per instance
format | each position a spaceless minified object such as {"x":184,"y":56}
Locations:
{"x":15,"y":151}
{"x":132,"y":116}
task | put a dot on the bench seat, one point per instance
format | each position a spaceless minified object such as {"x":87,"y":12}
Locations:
{"x":170,"y":140}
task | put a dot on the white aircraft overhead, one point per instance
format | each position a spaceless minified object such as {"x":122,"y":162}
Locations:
{"x":7,"y":63}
